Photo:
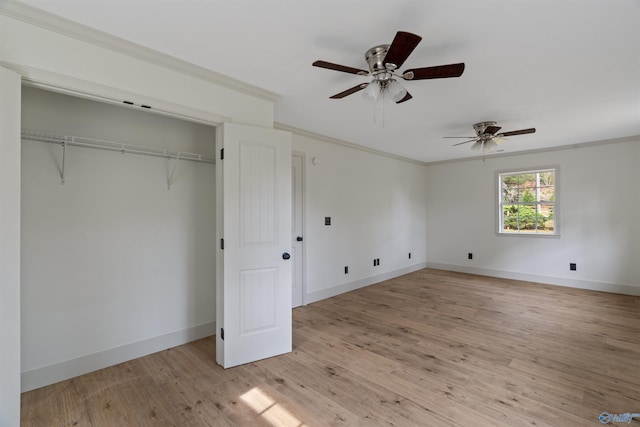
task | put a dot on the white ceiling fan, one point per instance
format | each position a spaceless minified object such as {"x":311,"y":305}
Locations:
{"x":487,"y":137}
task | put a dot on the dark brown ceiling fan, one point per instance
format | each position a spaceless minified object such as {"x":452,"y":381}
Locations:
{"x":384,"y":60}
{"x":487,"y":137}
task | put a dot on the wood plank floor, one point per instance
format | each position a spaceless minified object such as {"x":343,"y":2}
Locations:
{"x":431,"y":348}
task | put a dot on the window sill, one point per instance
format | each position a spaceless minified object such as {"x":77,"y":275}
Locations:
{"x":539,"y":235}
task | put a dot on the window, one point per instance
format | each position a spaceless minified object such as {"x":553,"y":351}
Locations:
{"x":527,"y":202}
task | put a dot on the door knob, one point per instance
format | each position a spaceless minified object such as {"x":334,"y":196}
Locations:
{"x":286,"y":255}
{"x":299,"y":239}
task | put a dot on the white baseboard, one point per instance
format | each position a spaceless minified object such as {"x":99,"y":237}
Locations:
{"x":46,"y":375}
{"x":352,"y":286}
{"x":549,"y":280}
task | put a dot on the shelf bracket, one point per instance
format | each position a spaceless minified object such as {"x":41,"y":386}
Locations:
{"x":171,"y":171}
{"x":64,"y":158}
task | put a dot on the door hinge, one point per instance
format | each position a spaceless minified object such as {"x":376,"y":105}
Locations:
{"x":222,"y":154}
{"x":222,"y":334}
{"x":222,"y":244}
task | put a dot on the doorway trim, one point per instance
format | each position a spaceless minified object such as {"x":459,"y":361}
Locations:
{"x":303,"y":261}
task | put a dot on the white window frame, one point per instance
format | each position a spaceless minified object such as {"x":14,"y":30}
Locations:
{"x":555,"y":202}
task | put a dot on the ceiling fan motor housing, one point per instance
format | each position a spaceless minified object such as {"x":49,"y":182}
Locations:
{"x":481,"y":127}
{"x":375,"y":58}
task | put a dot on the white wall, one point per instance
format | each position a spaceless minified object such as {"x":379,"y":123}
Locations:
{"x":9,"y":248}
{"x":58,"y":52}
{"x":598,"y":200}
{"x":114,"y":264}
{"x":377,"y":207}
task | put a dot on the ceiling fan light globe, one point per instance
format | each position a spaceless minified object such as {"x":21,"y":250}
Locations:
{"x":476,"y":145}
{"x":372,"y":91}
{"x":396,"y":90}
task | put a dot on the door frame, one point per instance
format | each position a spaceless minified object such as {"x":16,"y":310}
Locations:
{"x":10,"y":188}
{"x":303,"y":261}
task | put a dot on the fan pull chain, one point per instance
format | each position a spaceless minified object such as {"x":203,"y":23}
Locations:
{"x":373,"y":104}
{"x":383,"y":94}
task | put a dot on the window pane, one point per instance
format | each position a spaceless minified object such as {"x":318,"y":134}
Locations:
{"x":528,"y":217}
{"x":547,"y":178}
{"x":528,"y":194}
{"x":510,"y":218}
{"x":527,"y":179}
{"x":509,"y":192}
{"x":510,"y":179}
{"x":546,"y":211}
{"x":547,"y":186}
{"x":527,"y":202}
{"x":547,"y":194}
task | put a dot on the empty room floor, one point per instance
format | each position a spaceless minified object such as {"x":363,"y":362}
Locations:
{"x":431,"y":348}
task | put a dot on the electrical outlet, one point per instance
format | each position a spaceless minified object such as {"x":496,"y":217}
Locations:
{"x":572,"y":266}
{"x":346,"y":269}
{"x":409,"y":255}
{"x":327,"y":220}
{"x":470,"y":255}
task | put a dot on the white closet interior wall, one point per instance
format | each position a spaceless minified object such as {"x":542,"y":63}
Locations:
{"x":114,"y":264}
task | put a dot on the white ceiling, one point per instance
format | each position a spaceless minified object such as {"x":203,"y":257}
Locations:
{"x":569,"y":68}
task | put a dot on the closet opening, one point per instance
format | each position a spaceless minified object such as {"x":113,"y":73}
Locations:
{"x":117,"y":243}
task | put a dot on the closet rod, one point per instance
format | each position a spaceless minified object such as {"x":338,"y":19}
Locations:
{"x":31,"y":135}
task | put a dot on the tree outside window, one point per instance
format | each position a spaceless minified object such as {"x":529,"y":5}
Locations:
{"x":527,"y":202}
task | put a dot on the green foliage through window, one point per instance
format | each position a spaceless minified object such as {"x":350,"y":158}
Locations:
{"x":527,"y":202}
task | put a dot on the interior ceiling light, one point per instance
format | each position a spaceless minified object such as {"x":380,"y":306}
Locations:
{"x":383,"y":61}
{"x":487,"y":136}
{"x":384,"y":90}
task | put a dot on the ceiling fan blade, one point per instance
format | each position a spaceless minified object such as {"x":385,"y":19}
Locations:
{"x":437,"y":72}
{"x":338,"y":67}
{"x":401,"y":47}
{"x":517,"y":132}
{"x":492,"y":129}
{"x":349,"y":91}
{"x":405,"y":98}
{"x":464,"y":142}
{"x":467,"y":137}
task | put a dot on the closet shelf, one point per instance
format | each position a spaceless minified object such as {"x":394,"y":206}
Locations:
{"x":78,"y":141}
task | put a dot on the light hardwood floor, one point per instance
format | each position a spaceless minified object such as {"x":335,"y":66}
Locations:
{"x":431,"y":348}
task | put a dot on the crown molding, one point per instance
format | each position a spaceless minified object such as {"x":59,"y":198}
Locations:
{"x":48,"y":21}
{"x":281,"y":126}
{"x":351,"y":145}
{"x":634,"y":138}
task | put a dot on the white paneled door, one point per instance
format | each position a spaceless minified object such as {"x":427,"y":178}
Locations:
{"x":254,"y":265}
